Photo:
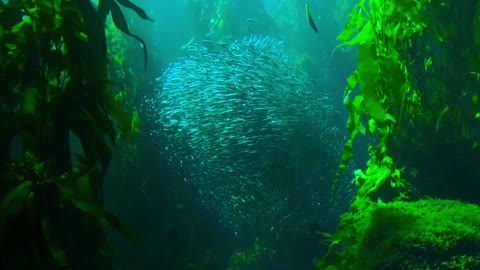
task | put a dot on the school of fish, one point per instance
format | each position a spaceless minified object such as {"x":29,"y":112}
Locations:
{"x":250,"y":131}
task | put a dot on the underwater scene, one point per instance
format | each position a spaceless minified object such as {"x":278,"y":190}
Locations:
{"x":240,"y":134}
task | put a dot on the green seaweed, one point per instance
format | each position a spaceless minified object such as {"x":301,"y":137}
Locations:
{"x":426,"y":116}
{"x":54,"y":73}
{"x":396,"y":234}
{"x":381,"y":75}
{"x":251,"y":258}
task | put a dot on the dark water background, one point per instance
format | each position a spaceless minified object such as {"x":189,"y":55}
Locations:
{"x":147,"y":193}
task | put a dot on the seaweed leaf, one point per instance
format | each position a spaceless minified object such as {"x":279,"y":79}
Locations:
{"x":347,"y":155}
{"x":80,"y":188}
{"x":53,"y":241}
{"x":121,"y":24}
{"x":13,"y":202}
{"x":366,"y":35}
{"x":346,"y":33}
{"x":106,"y":216}
{"x":369,"y":69}
{"x":140,"y":12}
{"x":90,"y":125}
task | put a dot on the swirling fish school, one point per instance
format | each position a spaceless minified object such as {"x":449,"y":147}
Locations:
{"x":228,"y":117}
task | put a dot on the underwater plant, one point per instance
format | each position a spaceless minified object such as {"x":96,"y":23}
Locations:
{"x":252,"y":258}
{"x":56,"y":89}
{"x":405,"y":95}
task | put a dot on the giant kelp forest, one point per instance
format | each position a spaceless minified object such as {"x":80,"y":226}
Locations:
{"x":66,"y":101}
{"x":415,"y":94}
{"x":59,"y":122}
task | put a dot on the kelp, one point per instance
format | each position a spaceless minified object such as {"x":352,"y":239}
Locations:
{"x":74,"y":188}
{"x":121,"y":24}
{"x":53,"y":69}
{"x":382,"y":78}
{"x":405,"y":96}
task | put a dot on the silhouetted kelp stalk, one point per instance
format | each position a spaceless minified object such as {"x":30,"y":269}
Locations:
{"x":53,"y":68}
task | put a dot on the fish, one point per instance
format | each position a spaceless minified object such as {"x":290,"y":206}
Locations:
{"x":224,"y":118}
{"x":184,"y":46}
{"x":310,"y":18}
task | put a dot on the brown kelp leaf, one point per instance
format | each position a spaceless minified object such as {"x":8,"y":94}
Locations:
{"x":53,"y":242}
{"x":80,"y":186}
{"x":140,"y":12}
{"x":14,"y":201}
{"x":105,"y":216}
{"x":121,"y":24}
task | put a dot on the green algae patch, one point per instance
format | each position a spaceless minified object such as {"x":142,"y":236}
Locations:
{"x":426,"y":234}
{"x":251,"y":259}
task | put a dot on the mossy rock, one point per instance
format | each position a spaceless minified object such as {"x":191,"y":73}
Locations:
{"x":426,"y":234}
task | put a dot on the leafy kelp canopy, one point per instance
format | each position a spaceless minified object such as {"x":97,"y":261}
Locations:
{"x":55,"y":89}
{"x":383,"y":79}
{"x":414,"y":93}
